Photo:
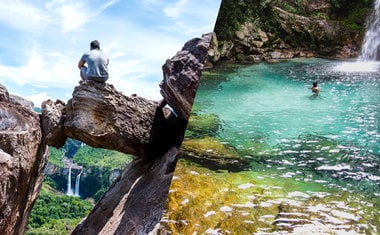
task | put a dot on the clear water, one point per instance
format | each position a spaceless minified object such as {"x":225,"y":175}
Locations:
{"x":335,"y":136}
{"x":313,"y":161}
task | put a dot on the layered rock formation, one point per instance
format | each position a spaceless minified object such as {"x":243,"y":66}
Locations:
{"x":181,"y":77}
{"x":256,"y":31}
{"x":101,"y":116}
{"x":23,"y":156}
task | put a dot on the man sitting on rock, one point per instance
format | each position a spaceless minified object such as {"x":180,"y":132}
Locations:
{"x":97,"y":62}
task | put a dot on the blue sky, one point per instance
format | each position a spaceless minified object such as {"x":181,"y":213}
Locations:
{"x":41,"y":42}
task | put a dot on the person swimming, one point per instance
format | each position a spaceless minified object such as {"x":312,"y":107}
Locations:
{"x":315,"y":89}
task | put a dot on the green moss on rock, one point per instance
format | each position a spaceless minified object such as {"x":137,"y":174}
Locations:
{"x":202,"y":124}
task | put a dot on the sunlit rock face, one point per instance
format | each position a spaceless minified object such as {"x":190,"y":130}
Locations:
{"x":182,"y":73}
{"x":102,"y":117}
{"x":23,"y":156}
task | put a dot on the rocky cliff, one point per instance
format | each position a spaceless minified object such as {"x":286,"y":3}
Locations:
{"x":23,"y":156}
{"x":256,"y":31}
{"x":101,"y":116}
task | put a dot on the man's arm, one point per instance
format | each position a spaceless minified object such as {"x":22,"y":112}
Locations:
{"x":81,"y":63}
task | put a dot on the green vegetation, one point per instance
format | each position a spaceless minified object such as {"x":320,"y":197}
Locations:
{"x":99,"y":163}
{"x":93,"y":157}
{"x":341,"y":9}
{"x":202,"y":124}
{"x":69,"y":149}
{"x":56,"y":156}
{"x":234,"y":13}
{"x":56,"y":214}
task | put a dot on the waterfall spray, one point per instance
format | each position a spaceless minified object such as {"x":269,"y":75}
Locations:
{"x":371,"y":45}
{"x":69,"y":189}
{"x":77,"y":185}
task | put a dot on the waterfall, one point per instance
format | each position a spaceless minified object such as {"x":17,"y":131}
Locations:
{"x":77,"y":185}
{"x":371,"y":45}
{"x":69,"y":189}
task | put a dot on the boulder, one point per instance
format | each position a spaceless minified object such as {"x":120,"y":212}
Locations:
{"x":312,"y":27}
{"x":53,"y":114}
{"x":15,"y":99}
{"x":4,"y":95}
{"x":182,"y":73}
{"x":103,"y":117}
{"x":23,"y":156}
{"x":213,"y":54}
{"x":263,"y":36}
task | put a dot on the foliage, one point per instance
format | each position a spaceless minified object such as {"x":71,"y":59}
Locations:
{"x":51,"y":183}
{"x":56,"y":156}
{"x":99,"y":194}
{"x":234,"y":13}
{"x":60,"y":226}
{"x":89,"y":157}
{"x":53,"y":214}
{"x":99,"y":164}
{"x":341,"y":9}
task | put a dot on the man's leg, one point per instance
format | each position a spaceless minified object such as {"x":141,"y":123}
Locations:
{"x":83,"y":73}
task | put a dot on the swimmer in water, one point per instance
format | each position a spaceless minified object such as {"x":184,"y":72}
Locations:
{"x":315,"y":89}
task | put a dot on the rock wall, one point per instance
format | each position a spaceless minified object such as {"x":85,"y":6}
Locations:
{"x":23,"y":156}
{"x":257,"y":31}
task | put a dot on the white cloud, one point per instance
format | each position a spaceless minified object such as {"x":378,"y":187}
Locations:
{"x":38,"y":71}
{"x":24,"y":16}
{"x":72,"y":15}
{"x":191,"y":17}
{"x":37,"y":99}
{"x":175,"y":10}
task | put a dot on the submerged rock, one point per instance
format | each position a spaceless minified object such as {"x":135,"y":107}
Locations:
{"x":201,"y":201}
{"x":23,"y":156}
{"x":210,"y":153}
{"x":202,"y":125}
